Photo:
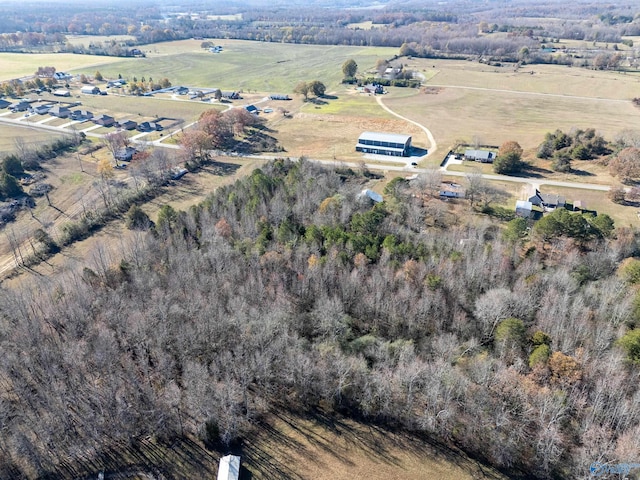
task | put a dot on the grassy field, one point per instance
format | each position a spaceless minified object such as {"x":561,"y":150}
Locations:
{"x":32,"y":137}
{"x":85,"y":40}
{"x":243,"y":65}
{"x":16,"y":65}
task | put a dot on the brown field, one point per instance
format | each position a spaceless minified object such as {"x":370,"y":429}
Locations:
{"x":323,"y":448}
{"x":32,"y":137}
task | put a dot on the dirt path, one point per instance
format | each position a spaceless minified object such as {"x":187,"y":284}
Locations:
{"x":432,"y":140}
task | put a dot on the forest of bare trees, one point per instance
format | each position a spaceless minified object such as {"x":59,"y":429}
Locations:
{"x":289,"y":290}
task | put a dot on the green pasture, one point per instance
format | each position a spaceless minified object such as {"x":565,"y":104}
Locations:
{"x":17,"y":65}
{"x":259,"y":66}
{"x":348,"y":104}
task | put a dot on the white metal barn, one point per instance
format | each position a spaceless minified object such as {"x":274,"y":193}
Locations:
{"x":229,"y":468}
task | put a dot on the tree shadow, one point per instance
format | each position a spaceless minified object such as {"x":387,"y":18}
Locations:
{"x":582,"y":173}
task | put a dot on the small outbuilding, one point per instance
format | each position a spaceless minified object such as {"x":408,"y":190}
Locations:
{"x":61,"y":92}
{"x":229,"y":468}
{"x":376,"y":197}
{"x":4,"y":103}
{"x":524,"y":208}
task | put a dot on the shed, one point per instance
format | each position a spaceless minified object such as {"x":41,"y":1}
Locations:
{"x":4,"y":103}
{"x":90,"y":90}
{"x":524,"y":208}
{"x":61,"y":92}
{"x":231,"y":95}
{"x":252,"y":109}
{"x":376,"y":197}
{"x":229,"y":468}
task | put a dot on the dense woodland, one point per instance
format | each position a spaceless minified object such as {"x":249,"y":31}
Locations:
{"x":520,"y":31}
{"x":289,"y":290}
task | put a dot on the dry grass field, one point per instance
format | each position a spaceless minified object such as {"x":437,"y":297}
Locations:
{"x":494,"y":106}
{"x":17,"y":65}
{"x":323,"y":448}
{"x":31,"y":137}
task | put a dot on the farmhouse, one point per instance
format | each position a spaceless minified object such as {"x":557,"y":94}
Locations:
{"x":20,"y":106}
{"x":451,"y":190}
{"x":4,"y":103}
{"x":61,"y":76}
{"x":125,"y":154}
{"x":90,"y":90}
{"x":127,"y":124}
{"x":116,"y":83}
{"x":229,"y":468}
{"x":60,"y":111}
{"x":374,"y":88}
{"x":547,"y":201}
{"x":42,"y":109}
{"x":384,"y":144}
{"x":61,"y":92}
{"x":149,"y":127}
{"x":81,"y":115}
{"x":484,"y":156}
{"x":104,"y":120}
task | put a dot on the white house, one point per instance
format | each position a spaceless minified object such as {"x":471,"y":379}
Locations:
{"x":229,"y":468}
{"x":62,"y":93}
{"x":90,"y":90}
